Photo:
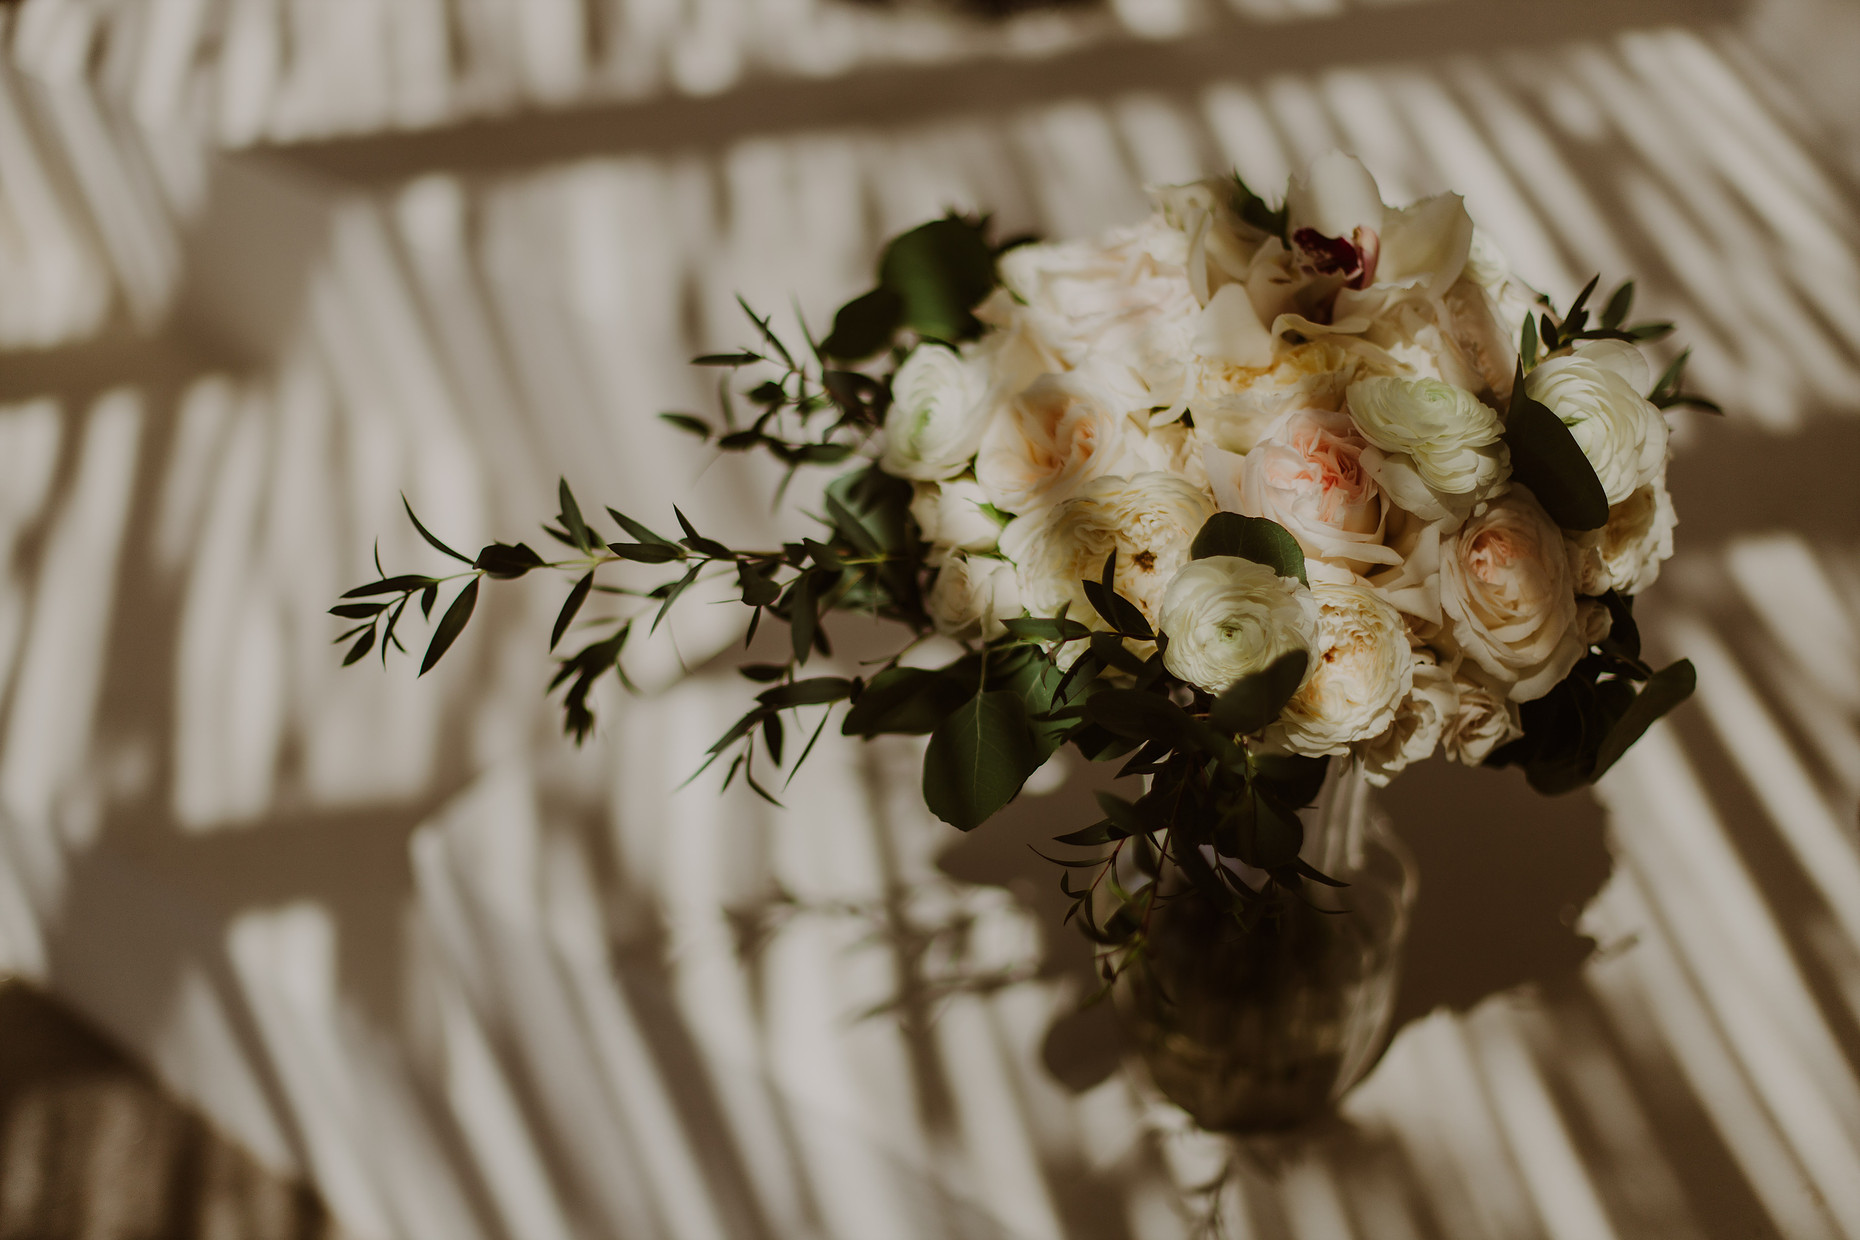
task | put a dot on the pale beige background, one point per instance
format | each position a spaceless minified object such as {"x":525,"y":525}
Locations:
{"x":264,"y":264}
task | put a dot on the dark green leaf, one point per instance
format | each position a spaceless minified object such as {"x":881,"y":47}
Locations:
{"x":1546,"y":458}
{"x":1292,"y":779}
{"x":758,"y":586}
{"x":507,"y":560}
{"x":572,"y":520}
{"x":978,"y":759}
{"x":428,"y":597}
{"x":698,"y":543}
{"x":566,"y":617}
{"x":772,"y":736}
{"x":1618,"y":306}
{"x":1253,"y":209}
{"x":1118,"y":612}
{"x":1259,"y":539}
{"x":391,"y":585}
{"x":357,"y":611}
{"x":360,"y":649}
{"x":1138,"y":715}
{"x":726,"y":359}
{"x":638,"y":531}
{"x":690,"y":423}
{"x":802,"y":617}
{"x":1046,"y":629}
{"x":451,"y":625}
{"x":1254,"y":702}
{"x":763,"y":673}
{"x":940,"y":271}
{"x":1645,"y":332}
{"x":428,"y":534}
{"x":1670,"y":686}
{"x":1527,"y":344}
{"x":647,"y":553}
{"x":807,"y":692}
{"x":864,"y":325}
{"x":671,"y":596}
{"x":907,"y":700}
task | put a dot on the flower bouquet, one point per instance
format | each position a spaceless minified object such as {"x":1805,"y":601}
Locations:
{"x":1265,"y":502}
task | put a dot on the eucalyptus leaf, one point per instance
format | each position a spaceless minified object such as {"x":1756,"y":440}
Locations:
{"x":907,"y":700}
{"x":807,"y":692}
{"x":1254,"y":701}
{"x":508,"y":560}
{"x":451,"y":625}
{"x":1259,"y":539}
{"x":939,"y":271}
{"x":570,"y":606}
{"x":978,"y":759}
{"x":429,"y":536}
{"x":864,"y":325}
{"x":1546,"y":458}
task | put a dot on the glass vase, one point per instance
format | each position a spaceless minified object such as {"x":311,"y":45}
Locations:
{"x":1262,"y":1028}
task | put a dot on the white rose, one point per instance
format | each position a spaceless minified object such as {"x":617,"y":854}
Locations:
{"x":972,"y":595}
{"x":1363,"y":671}
{"x":1227,"y":618}
{"x":1060,"y":433}
{"x":1485,"y":719}
{"x":1419,"y":723}
{"x":1307,"y":474}
{"x":1450,"y":437}
{"x":1509,"y":595}
{"x":1596,"y":392}
{"x":1149,"y":520}
{"x":955,"y":514}
{"x":1626,"y":554}
{"x":940,"y":405}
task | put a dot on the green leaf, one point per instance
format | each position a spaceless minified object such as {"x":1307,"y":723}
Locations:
{"x":508,"y":560}
{"x":726,"y":359}
{"x":647,"y":553}
{"x":566,"y":617}
{"x":759,"y":588}
{"x":390,"y":585}
{"x":357,"y":611}
{"x":1646,"y":332}
{"x":1618,"y":306}
{"x":1259,"y":539}
{"x":807,"y":692}
{"x":428,"y":534}
{"x":572,"y":521}
{"x":1117,"y":611}
{"x":428,"y":597}
{"x":762,"y":673}
{"x":1527,"y":344}
{"x":451,"y":625}
{"x":1292,"y":779}
{"x":864,"y":325}
{"x":978,"y":759}
{"x":1253,"y":209}
{"x":360,"y":649}
{"x":1046,"y":629}
{"x":689,"y":423}
{"x":1270,"y":836}
{"x":772,"y":737}
{"x":698,"y":543}
{"x":1546,"y":458}
{"x":1254,"y":702}
{"x":1138,"y":715}
{"x":1037,"y":680}
{"x":802,"y":618}
{"x":638,"y":531}
{"x":1670,"y":686}
{"x":907,"y":700}
{"x":939,"y":271}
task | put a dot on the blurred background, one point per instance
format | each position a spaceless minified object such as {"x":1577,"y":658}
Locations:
{"x":296,"y":951}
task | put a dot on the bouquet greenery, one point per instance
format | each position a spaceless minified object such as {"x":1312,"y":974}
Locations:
{"x":1224,"y":496}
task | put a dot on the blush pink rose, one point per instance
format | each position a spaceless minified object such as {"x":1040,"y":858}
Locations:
{"x":1307,"y":474}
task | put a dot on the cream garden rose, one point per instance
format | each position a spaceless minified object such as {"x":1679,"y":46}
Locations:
{"x":1149,"y":519}
{"x":1626,"y":554}
{"x":1420,"y":721}
{"x":1363,"y":672}
{"x":1510,"y":597}
{"x":1227,"y":617}
{"x":1061,"y":433}
{"x":1484,"y":719}
{"x":955,"y":514}
{"x":1307,"y":474}
{"x":1596,"y":392}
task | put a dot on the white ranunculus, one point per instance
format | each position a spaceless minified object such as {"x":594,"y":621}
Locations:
{"x":1626,"y":554}
{"x":1227,"y":617}
{"x":1307,"y":474}
{"x":1485,"y":719}
{"x":1059,"y":434}
{"x":941,"y":403}
{"x":1419,"y":723}
{"x":1509,"y":595}
{"x":1148,"y":519}
{"x":1596,"y":392}
{"x":1452,"y":439}
{"x":955,"y":514}
{"x":1363,"y":671}
{"x":972,"y":595}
